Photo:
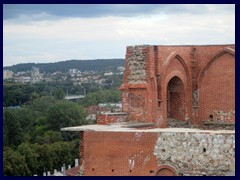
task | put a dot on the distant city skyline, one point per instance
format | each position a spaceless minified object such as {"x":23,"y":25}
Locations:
{"x":51,"y":33}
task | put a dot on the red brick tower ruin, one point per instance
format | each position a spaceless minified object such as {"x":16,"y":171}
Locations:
{"x":187,"y":83}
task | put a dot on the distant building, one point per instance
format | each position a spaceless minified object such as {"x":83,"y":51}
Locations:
{"x":114,"y":107}
{"x":120,"y":73}
{"x":20,"y":73}
{"x":35,"y":75}
{"x":57,"y":73}
{"x":7,"y":74}
{"x":22,"y":79}
{"x":14,"y":107}
{"x":77,"y":83}
{"x":120,"y":68}
{"x":108,"y":74}
{"x":73,"y":71}
{"x":117,"y":105}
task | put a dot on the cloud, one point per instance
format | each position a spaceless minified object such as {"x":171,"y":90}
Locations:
{"x":49,"y":40}
{"x":53,"y":11}
{"x":11,"y":11}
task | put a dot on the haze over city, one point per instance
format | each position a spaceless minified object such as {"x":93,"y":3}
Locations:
{"x":50,"y":33}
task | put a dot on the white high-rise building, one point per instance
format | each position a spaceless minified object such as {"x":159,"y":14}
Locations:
{"x":35,"y":75}
{"x":73,"y":71}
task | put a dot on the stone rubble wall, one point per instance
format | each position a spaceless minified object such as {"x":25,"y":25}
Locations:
{"x":136,"y":64}
{"x":194,"y":153}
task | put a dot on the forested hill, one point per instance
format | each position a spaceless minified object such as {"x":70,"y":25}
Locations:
{"x":82,"y":65}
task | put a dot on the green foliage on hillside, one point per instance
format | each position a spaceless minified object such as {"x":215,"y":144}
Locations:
{"x":64,"y":66}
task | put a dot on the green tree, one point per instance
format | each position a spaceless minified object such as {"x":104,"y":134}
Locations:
{"x":14,"y":163}
{"x":31,"y":156}
{"x":59,"y":94}
{"x":53,"y":156}
{"x":49,"y":137}
{"x":40,"y":105}
{"x":101,"y":96}
{"x":33,"y":96}
{"x":64,"y":114}
{"x":26,"y":119}
{"x":45,"y":159}
{"x":12,"y":132}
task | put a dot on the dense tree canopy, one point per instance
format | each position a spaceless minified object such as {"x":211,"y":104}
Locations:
{"x":59,"y":94}
{"x":101,"y":96}
{"x":32,"y":136}
{"x":64,"y":114}
{"x":12,"y":130}
{"x":14,"y":163}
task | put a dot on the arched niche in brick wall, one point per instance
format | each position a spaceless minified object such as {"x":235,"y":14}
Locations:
{"x":175,"y":99}
{"x":216,"y":85}
{"x":167,"y":73}
{"x":186,"y":102}
{"x":166,"y":170}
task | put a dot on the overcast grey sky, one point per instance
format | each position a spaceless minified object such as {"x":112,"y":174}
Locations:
{"x":51,"y":33}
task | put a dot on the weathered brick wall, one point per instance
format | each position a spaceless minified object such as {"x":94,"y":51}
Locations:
{"x":203,"y":70}
{"x":119,"y":153}
{"x":136,"y":104}
{"x":217,"y":92}
{"x":143,"y":153}
{"x":106,"y":118}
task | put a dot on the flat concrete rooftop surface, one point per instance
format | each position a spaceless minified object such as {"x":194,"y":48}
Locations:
{"x":121,"y":127}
